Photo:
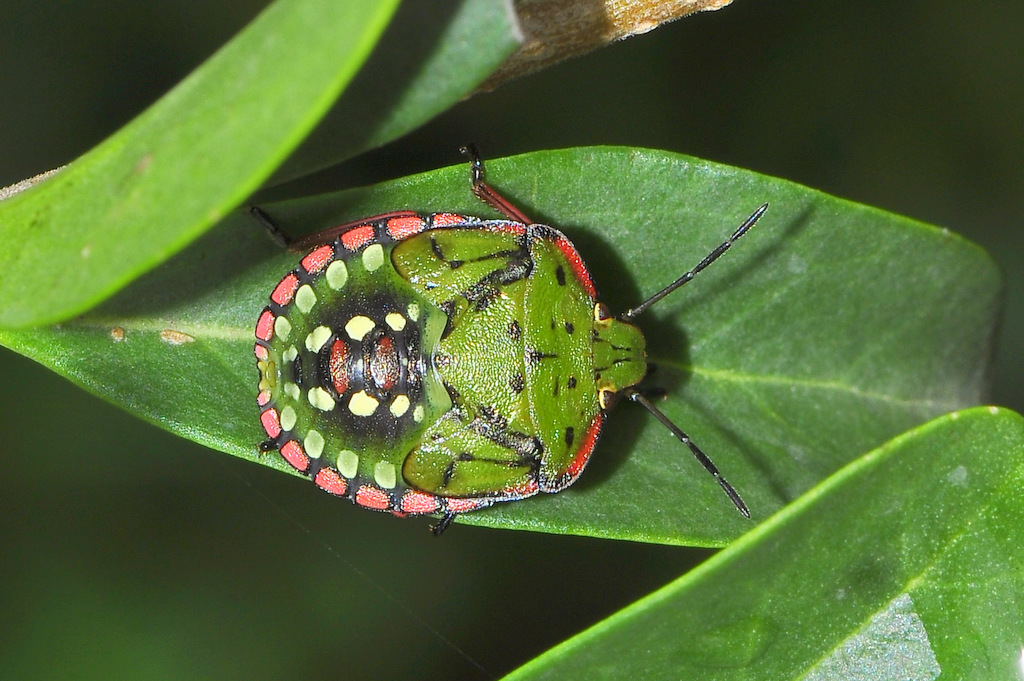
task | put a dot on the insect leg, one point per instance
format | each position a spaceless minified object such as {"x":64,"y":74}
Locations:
{"x":486,"y":192}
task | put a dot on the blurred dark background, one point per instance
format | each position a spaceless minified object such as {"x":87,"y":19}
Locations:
{"x":128,"y":553}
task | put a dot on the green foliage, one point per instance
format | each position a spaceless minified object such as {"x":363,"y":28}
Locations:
{"x":809,"y":343}
{"x":903,"y":565}
{"x":164,"y":179}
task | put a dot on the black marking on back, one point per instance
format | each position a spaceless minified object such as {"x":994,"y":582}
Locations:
{"x":535,"y":356}
{"x":448,"y":307}
{"x":519,"y":265}
{"x":560,"y":275}
{"x":493,"y":426}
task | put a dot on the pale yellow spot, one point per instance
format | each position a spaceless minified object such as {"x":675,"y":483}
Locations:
{"x":268,"y":374}
{"x":414,"y":311}
{"x":288,"y":418}
{"x":373,"y":257}
{"x":418,"y":413}
{"x":320,"y":398}
{"x":313,"y":444}
{"x":282,"y":327}
{"x":305,"y":298}
{"x":395,"y":321}
{"x":317,"y":337}
{"x":290,"y":354}
{"x":362,"y":404}
{"x":399,"y":406}
{"x":358,"y":327}
{"x":292,"y":390}
{"x":172,"y":337}
{"x":384,"y":474}
{"x":337,"y":274}
{"x":348,"y":463}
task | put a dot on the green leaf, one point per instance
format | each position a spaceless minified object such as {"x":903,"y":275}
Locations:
{"x":432,"y":56}
{"x":163,"y":180}
{"x":826,"y":331}
{"x":904,"y":565}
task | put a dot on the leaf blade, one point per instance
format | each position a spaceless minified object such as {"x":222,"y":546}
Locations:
{"x":887,"y":570}
{"x":165,"y":178}
{"x":777,"y":417}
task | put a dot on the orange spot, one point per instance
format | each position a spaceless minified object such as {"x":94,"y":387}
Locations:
{"x":338,"y":366}
{"x":509,"y":226}
{"x":587,"y":444}
{"x":329,"y":480}
{"x":293,"y":454}
{"x":263,"y":398}
{"x":271,"y":422}
{"x":285,"y":289}
{"x":463,"y":505}
{"x":527,"y":489}
{"x":354,"y":239}
{"x":317,"y":258}
{"x":448,"y":219}
{"x":419,"y":502}
{"x":261,"y":352}
{"x":384,"y":366}
{"x":371,"y":497}
{"x":405,"y":227}
{"x":577,"y":264}
{"x":265,"y":326}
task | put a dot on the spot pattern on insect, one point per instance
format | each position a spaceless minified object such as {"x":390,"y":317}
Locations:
{"x":415,"y":363}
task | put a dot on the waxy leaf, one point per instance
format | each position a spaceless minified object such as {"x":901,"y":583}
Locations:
{"x":164,"y":179}
{"x":829,"y":329}
{"x":906,"y":564}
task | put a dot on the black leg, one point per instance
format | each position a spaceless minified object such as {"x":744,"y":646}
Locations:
{"x":442,"y":524}
{"x":261,"y":217}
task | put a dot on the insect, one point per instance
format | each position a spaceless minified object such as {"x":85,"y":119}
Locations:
{"x":437,"y":364}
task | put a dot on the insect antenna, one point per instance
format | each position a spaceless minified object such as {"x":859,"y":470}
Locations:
{"x":708,"y":259}
{"x":636,"y":396}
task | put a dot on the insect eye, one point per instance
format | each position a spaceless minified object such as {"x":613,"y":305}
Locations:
{"x":606,"y":398}
{"x":601,"y":313}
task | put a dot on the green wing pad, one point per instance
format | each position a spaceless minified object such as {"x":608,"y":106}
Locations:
{"x":459,"y":458}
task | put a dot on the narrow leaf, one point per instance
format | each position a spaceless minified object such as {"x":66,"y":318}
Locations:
{"x":904,"y":565}
{"x":827,"y":330}
{"x":151,"y":188}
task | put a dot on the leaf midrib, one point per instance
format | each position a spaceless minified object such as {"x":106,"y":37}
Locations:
{"x":244,"y":334}
{"x":736,"y":377}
